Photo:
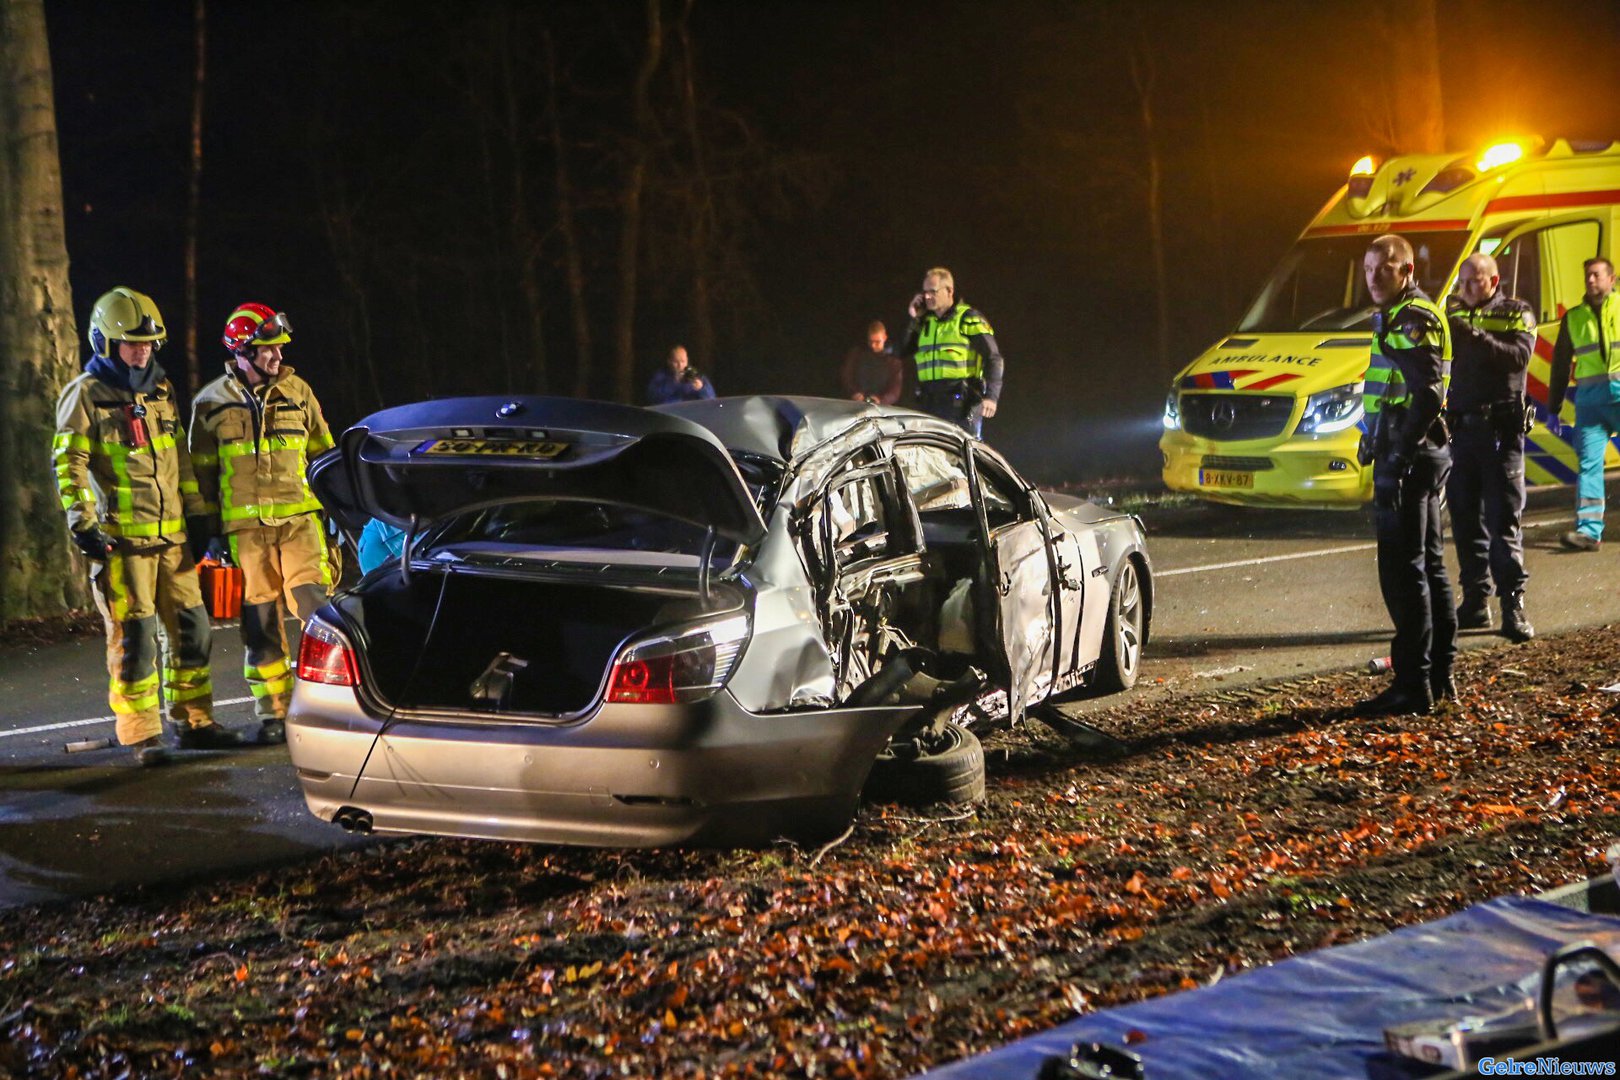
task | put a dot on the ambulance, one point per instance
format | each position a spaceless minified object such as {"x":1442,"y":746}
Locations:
{"x":1271,"y":414}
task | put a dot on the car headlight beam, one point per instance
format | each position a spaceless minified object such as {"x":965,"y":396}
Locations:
{"x":1172,"y":412}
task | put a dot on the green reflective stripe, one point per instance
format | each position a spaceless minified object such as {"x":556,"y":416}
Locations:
{"x":187,"y":684}
{"x":276,"y":510}
{"x":68,"y":440}
{"x":1503,"y":324}
{"x":163,"y":442}
{"x":271,"y":687}
{"x":269,"y":445}
{"x":204,"y":459}
{"x":118,"y":591}
{"x":129,"y":698}
{"x":266,"y":671}
{"x":124,"y":705}
{"x":321,"y":442}
{"x":146,"y":528}
{"x":326,"y":566}
{"x":189,"y":487}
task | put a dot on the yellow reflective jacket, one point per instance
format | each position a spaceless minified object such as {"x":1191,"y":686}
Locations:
{"x":121,"y":462}
{"x":251,"y":447}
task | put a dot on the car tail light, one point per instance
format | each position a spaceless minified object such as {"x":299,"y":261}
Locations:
{"x":687,"y":665}
{"x":324,"y":656}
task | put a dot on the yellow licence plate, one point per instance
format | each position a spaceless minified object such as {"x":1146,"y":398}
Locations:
{"x":526,"y":448}
{"x":1221,"y":478}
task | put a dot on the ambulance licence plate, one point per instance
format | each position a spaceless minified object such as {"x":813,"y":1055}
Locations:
{"x":1223,"y":478}
{"x":524,"y":448}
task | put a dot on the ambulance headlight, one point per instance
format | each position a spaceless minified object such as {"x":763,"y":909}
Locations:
{"x":1332,"y":410}
{"x":1172,"y":412}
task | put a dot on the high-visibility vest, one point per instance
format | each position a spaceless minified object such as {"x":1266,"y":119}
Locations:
{"x":1596,"y":337}
{"x":1384,"y":383}
{"x":944,"y":348}
{"x":121,"y":461}
{"x":251,"y":451}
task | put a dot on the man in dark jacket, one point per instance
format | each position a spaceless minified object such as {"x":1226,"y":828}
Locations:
{"x":1492,"y":336}
{"x":871,"y":372}
{"x":1407,"y":447}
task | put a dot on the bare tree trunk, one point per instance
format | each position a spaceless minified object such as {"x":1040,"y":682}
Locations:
{"x":194,"y":200}
{"x":702,"y":205}
{"x":573,"y":265}
{"x":1142,"y":76}
{"x":525,"y":240}
{"x":1405,"y":115}
{"x":38,"y":337}
{"x":1415,"y":54}
{"x":635,"y":182}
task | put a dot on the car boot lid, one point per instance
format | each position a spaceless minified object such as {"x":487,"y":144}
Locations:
{"x":435,"y":459}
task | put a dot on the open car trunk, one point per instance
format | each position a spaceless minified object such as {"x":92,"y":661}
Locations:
{"x":559,"y":638}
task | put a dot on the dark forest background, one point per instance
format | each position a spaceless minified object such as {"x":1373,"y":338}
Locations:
{"x":443,"y":196}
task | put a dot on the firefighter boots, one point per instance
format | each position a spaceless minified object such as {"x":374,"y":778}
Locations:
{"x":207,"y":737}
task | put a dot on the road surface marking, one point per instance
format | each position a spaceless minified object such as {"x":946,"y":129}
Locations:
{"x":95,"y":720}
{"x":1305,"y":554}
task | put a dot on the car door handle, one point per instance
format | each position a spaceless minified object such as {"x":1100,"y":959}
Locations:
{"x":1069,"y":580}
{"x":1005,"y":585}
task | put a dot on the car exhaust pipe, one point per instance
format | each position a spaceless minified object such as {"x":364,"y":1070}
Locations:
{"x":352,"y":819}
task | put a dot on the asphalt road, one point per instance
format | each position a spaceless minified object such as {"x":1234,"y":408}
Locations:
{"x":1242,"y":596}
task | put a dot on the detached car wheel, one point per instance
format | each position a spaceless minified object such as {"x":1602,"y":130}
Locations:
{"x":1121,"y":656}
{"x":927,"y":771}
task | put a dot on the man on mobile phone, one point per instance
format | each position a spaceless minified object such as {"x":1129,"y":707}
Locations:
{"x":959,"y":366}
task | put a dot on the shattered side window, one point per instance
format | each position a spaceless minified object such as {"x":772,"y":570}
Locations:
{"x":935,"y":476}
{"x":859,"y":524}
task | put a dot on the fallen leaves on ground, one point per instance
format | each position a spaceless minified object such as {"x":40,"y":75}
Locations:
{"x":1235,"y":829}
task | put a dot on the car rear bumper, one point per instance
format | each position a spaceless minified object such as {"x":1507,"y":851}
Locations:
{"x":1303,"y":471}
{"x":629,"y":775}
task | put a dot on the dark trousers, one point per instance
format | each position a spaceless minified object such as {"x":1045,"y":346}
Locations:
{"x":1486,"y":493}
{"x":953,"y":400}
{"x":1412,"y":574}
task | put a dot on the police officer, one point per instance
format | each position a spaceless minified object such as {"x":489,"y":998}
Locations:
{"x":1589,"y":342}
{"x":1406,"y":443}
{"x":252,"y":432}
{"x":127,"y":486}
{"x":959,"y":367}
{"x":1492,"y":336}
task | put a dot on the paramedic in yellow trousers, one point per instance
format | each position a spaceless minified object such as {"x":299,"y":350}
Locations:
{"x":252,"y":432}
{"x":126,"y":483}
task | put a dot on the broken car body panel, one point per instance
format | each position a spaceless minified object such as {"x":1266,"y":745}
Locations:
{"x":561,"y":663}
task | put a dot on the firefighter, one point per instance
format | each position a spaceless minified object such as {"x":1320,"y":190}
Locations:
{"x":1406,"y":443}
{"x":1492,"y":336}
{"x":127,"y":486}
{"x":1589,"y":342}
{"x":959,"y":366}
{"x":252,"y":432}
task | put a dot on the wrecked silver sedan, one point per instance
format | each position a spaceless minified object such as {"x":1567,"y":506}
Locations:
{"x":700,"y":623}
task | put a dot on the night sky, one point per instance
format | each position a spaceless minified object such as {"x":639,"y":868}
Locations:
{"x":363,"y":163}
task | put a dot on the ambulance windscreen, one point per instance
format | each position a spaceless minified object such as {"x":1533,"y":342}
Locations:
{"x":1319,"y":284}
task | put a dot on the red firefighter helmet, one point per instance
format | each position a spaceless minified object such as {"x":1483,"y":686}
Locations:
{"x":251,"y":325}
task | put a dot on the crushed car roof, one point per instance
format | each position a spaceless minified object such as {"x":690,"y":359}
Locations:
{"x":786,"y":427}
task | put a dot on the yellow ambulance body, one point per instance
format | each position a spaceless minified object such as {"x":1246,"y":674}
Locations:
{"x":1271,"y":415}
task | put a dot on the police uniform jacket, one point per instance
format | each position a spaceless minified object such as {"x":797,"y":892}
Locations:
{"x":1490,"y":348}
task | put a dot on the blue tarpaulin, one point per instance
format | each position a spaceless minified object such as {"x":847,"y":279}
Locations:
{"x":1323,"y":1014}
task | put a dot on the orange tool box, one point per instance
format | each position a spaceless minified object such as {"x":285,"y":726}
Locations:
{"x":221,"y":588}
